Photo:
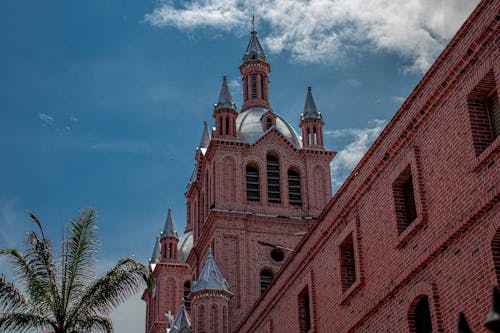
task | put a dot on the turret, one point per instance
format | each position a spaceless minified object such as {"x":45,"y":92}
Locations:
{"x":311,"y":123}
{"x":210,"y":297}
{"x":225,"y":113}
{"x":169,"y":240}
{"x":255,"y":71}
{"x":182,"y":323}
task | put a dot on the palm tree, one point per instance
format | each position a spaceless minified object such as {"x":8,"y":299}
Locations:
{"x":63,"y":295}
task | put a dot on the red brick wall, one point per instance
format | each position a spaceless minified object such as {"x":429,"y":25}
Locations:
{"x":447,"y":252}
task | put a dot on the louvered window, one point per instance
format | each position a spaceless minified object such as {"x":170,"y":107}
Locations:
{"x":294,"y":196}
{"x":245,"y":90}
{"x":269,"y":123}
{"x":266,"y":277}
{"x":273,"y":179}
{"x":262,"y":87}
{"x":187,"y":292}
{"x":304,"y":311}
{"x":252,"y":177}
{"x":254,"y":86}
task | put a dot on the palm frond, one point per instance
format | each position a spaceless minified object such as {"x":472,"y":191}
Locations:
{"x":23,"y":322}
{"x":106,"y":293}
{"x":37,"y":289}
{"x":93,"y":324}
{"x":81,"y":247}
{"x":13,"y":300}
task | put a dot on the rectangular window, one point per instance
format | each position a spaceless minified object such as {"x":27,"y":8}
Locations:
{"x":484,"y":113}
{"x":404,"y":200}
{"x":254,"y":86}
{"x":304,"y":311}
{"x":347,"y":263}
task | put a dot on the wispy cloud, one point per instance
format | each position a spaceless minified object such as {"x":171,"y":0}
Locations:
{"x":398,"y":99}
{"x":47,"y":120}
{"x":235,"y":85}
{"x":347,"y":157}
{"x":328,"y":30}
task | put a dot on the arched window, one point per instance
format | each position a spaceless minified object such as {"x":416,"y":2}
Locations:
{"x":214,"y":320}
{"x":273,"y":179}
{"x":266,"y":277}
{"x":420,"y":316}
{"x":224,"y":320}
{"x":294,"y":196}
{"x":254,"y":86}
{"x":495,"y":249}
{"x":269,"y":123}
{"x":252,"y":177}
{"x":187,"y":292}
{"x":201,"y":319}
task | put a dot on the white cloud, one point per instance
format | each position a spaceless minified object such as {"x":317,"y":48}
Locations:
{"x":398,"y":99}
{"x":235,"y":85}
{"x":46,"y":119}
{"x":347,"y":157}
{"x":328,"y":30}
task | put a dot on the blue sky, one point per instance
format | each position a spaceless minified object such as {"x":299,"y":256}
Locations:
{"x":102,"y":103}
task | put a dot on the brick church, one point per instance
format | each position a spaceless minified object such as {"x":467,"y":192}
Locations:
{"x":409,"y":243}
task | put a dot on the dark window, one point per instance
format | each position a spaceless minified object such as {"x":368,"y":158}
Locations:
{"x":495,"y":249}
{"x":262,"y":87}
{"x":201,"y":319}
{"x":304,"y":311}
{"x":227,"y":120}
{"x":422,"y":317}
{"x":484,"y":113}
{"x":254,"y":86}
{"x":273,"y":179}
{"x":269,"y":123}
{"x":294,"y":196}
{"x":252,"y":174}
{"x":277,"y":255}
{"x":187,"y":292}
{"x":347,"y":263}
{"x":245,"y":90}
{"x":266,"y":277}
{"x":404,"y":200}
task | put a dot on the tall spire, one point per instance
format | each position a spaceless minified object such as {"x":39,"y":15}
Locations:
{"x":225,"y":100}
{"x":254,"y":50}
{"x":205,"y":136}
{"x":210,"y":277}
{"x":182,"y":323}
{"x":169,"y":230}
{"x":310,"y":109}
{"x":156,"y":256}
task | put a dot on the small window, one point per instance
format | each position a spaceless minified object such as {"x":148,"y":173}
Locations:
{"x":404,"y":200}
{"x":273,"y":179}
{"x":187,"y":292}
{"x":254,"y":86}
{"x":495,"y":250}
{"x":420,"y":318}
{"x":252,"y":182}
{"x":304,"y":311}
{"x":277,"y":255}
{"x":484,"y":113}
{"x":269,"y":123}
{"x":245,"y":90}
{"x":266,"y":278}
{"x":294,"y":196}
{"x":347,"y":263}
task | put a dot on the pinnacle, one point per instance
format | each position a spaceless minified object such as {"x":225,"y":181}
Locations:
{"x":225,"y":100}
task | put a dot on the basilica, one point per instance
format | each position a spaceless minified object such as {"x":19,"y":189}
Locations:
{"x":409,"y":243}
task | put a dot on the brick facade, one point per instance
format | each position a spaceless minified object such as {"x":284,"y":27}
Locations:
{"x":411,"y":238}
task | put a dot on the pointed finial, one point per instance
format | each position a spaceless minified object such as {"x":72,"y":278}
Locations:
{"x":463,"y":326}
{"x":310,"y":109}
{"x":169,"y":230}
{"x":493,"y":319}
{"x":225,"y":98}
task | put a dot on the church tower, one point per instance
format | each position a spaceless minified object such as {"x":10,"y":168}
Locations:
{"x":257,"y":187}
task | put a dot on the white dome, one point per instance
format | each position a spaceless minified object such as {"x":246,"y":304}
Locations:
{"x":184,"y":246}
{"x":251,"y":127}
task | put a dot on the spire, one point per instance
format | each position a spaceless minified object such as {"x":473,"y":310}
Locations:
{"x":210,"y":276}
{"x":169,"y":230}
{"x":225,"y":98}
{"x":310,"y":109}
{"x":254,"y":50}
{"x":182,"y":323}
{"x":205,"y":136}
{"x":156,"y":256}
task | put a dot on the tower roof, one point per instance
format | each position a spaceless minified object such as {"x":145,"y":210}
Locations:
{"x":205,"y":136}
{"x":169,"y":230}
{"x":156,"y":256}
{"x":182,"y":323}
{"x":254,"y":50}
{"x":310,"y":109}
{"x":225,"y":100}
{"x":210,"y":276}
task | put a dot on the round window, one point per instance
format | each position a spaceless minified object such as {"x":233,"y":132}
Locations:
{"x":277,"y":255}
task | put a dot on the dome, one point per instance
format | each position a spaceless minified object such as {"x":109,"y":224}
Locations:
{"x":184,"y":247}
{"x":250,"y":127}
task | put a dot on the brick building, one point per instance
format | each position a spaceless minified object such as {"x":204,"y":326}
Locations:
{"x":411,"y":238}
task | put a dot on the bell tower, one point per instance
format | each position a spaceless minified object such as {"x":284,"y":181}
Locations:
{"x":311,"y":123}
{"x":255,"y":71}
